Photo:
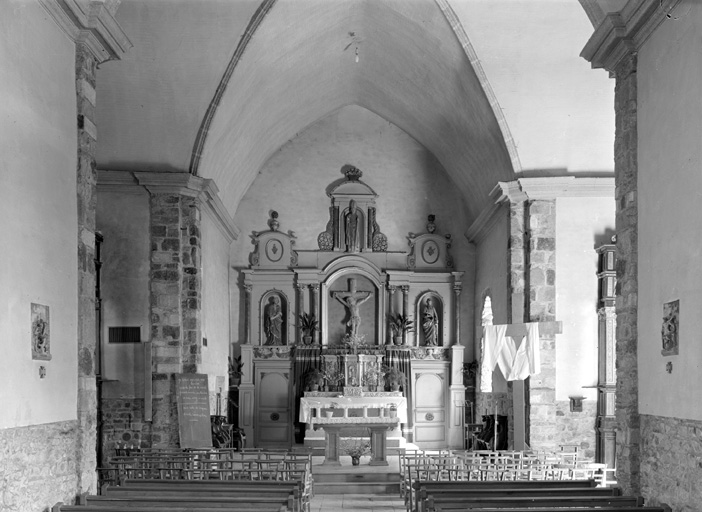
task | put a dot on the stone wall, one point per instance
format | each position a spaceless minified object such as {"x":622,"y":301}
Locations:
{"x":671,"y":471}
{"x":576,"y":428}
{"x":626,"y":173}
{"x":39,"y":466}
{"x":123,"y":426}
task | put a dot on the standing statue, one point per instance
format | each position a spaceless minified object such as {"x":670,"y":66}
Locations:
{"x":273,"y":321}
{"x":430,"y":324}
{"x":351,"y":227}
{"x":352,"y":300}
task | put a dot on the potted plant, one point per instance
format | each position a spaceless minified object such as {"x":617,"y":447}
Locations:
{"x":469,"y":372}
{"x":235,"y":370}
{"x":394,"y":378}
{"x":356,"y":451}
{"x":399,"y":324}
{"x":314,"y":379}
{"x":308,"y":324}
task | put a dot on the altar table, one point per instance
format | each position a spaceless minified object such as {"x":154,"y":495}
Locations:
{"x":344,"y":403}
{"x":378,"y":428}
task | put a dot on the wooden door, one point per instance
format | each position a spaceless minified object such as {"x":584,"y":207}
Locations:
{"x":430,"y":393}
{"x":273,"y":413}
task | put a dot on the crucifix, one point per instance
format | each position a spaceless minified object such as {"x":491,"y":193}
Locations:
{"x":352,"y":300}
{"x":519,"y":332}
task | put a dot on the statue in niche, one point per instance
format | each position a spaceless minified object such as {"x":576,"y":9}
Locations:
{"x":430,"y":324}
{"x":351,"y":227}
{"x":352,"y":300}
{"x":273,"y":321}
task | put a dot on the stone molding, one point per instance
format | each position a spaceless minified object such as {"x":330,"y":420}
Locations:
{"x":624,"y":32}
{"x":182,"y":184}
{"x":530,"y":189}
{"x":90,"y":22}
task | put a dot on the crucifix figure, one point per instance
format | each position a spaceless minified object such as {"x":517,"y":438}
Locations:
{"x":352,"y":300}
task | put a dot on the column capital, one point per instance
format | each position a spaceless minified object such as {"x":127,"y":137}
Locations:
{"x":90,"y":23}
{"x":622,"y":33}
{"x":405,"y":289}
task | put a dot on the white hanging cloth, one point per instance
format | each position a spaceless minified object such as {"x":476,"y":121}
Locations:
{"x":501,"y":350}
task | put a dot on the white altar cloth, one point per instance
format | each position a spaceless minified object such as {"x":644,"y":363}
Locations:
{"x":351,"y":402}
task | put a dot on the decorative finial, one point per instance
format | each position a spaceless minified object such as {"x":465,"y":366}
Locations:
{"x":431,"y":227}
{"x":273,"y":221}
{"x":353,"y":173}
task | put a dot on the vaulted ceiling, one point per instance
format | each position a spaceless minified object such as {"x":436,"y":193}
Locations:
{"x":215,"y":87}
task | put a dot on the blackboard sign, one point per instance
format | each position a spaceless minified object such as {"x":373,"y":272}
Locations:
{"x":193,"y":399}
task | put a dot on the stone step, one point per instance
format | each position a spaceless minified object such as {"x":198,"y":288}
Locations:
{"x":360,"y":487}
{"x":356,"y":477}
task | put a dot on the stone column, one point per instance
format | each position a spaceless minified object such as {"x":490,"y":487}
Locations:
{"x":457,"y":313}
{"x":247,"y":314}
{"x":87,"y":191}
{"x":625,"y":175}
{"x":391,"y":310}
{"x":541,"y":281}
{"x":191,"y":286}
{"x":315,"y":308}
{"x":300,"y":310}
{"x":405,"y":309}
{"x":166,"y":333}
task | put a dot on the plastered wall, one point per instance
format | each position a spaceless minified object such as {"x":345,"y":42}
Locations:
{"x":410,"y":183}
{"x":123,"y":220}
{"x":582,"y":225}
{"x":669,"y":183}
{"x":38,"y":203}
{"x":215,"y":306}
{"x":492,"y":278}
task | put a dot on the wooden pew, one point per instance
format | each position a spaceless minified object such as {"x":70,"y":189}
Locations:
{"x":435,"y":502}
{"x":250,"y":500}
{"x":60,"y":507}
{"x":422,"y":488}
{"x":470,"y":494}
{"x":560,"y":509}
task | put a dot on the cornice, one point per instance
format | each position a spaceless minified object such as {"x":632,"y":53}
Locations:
{"x":90,"y":22}
{"x":622,"y":33}
{"x":531,"y":189}
{"x":177,"y":183}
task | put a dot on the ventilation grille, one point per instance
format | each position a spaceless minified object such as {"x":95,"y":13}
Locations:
{"x":124,"y":334}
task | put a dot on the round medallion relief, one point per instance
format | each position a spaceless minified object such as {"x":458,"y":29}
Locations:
{"x":429,"y":417}
{"x":274,"y":250}
{"x":430,"y":252}
{"x":275,"y":416}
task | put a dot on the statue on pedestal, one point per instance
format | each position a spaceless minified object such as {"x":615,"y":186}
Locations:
{"x":352,"y":300}
{"x":351,"y":227}
{"x":430,"y":324}
{"x":273,"y":321}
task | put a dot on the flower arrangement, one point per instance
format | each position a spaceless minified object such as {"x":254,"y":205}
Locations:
{"x":353,"y":342}
{"x":236,"y":370}
{"x":357,"y":449}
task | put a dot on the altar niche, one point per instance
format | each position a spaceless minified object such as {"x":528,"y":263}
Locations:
{"x":429,"y":312}
{"x":274,"y":312}
{"x":353,"y":302}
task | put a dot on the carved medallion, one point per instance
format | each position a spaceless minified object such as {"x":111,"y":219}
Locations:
{"x":430,"y":252}
{"x":274,"y":250}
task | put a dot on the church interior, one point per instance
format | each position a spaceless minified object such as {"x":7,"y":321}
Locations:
{"x":284,"y":224}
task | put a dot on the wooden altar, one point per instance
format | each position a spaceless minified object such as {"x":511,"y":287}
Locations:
{"x":351,"y":284}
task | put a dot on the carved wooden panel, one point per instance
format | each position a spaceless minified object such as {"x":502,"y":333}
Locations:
{"x":430,"y":389}
{"x":273,"y":416}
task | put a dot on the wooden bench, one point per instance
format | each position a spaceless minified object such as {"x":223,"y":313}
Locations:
{"x":422,"y":488}
{"x":60,"y":507}
{"x":250,"y":500}
{"x":561,"y":509}
{"x":434,"y":502}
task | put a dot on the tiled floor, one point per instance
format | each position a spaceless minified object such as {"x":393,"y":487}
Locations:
{"x":357,"y":503}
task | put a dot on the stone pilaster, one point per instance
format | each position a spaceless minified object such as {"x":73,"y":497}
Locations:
{"x":191,"y":290}
{"x":541,"y":307}
{"x":167,"y":278}
{"x":86,"y":67}
{"x":626,"y":172}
